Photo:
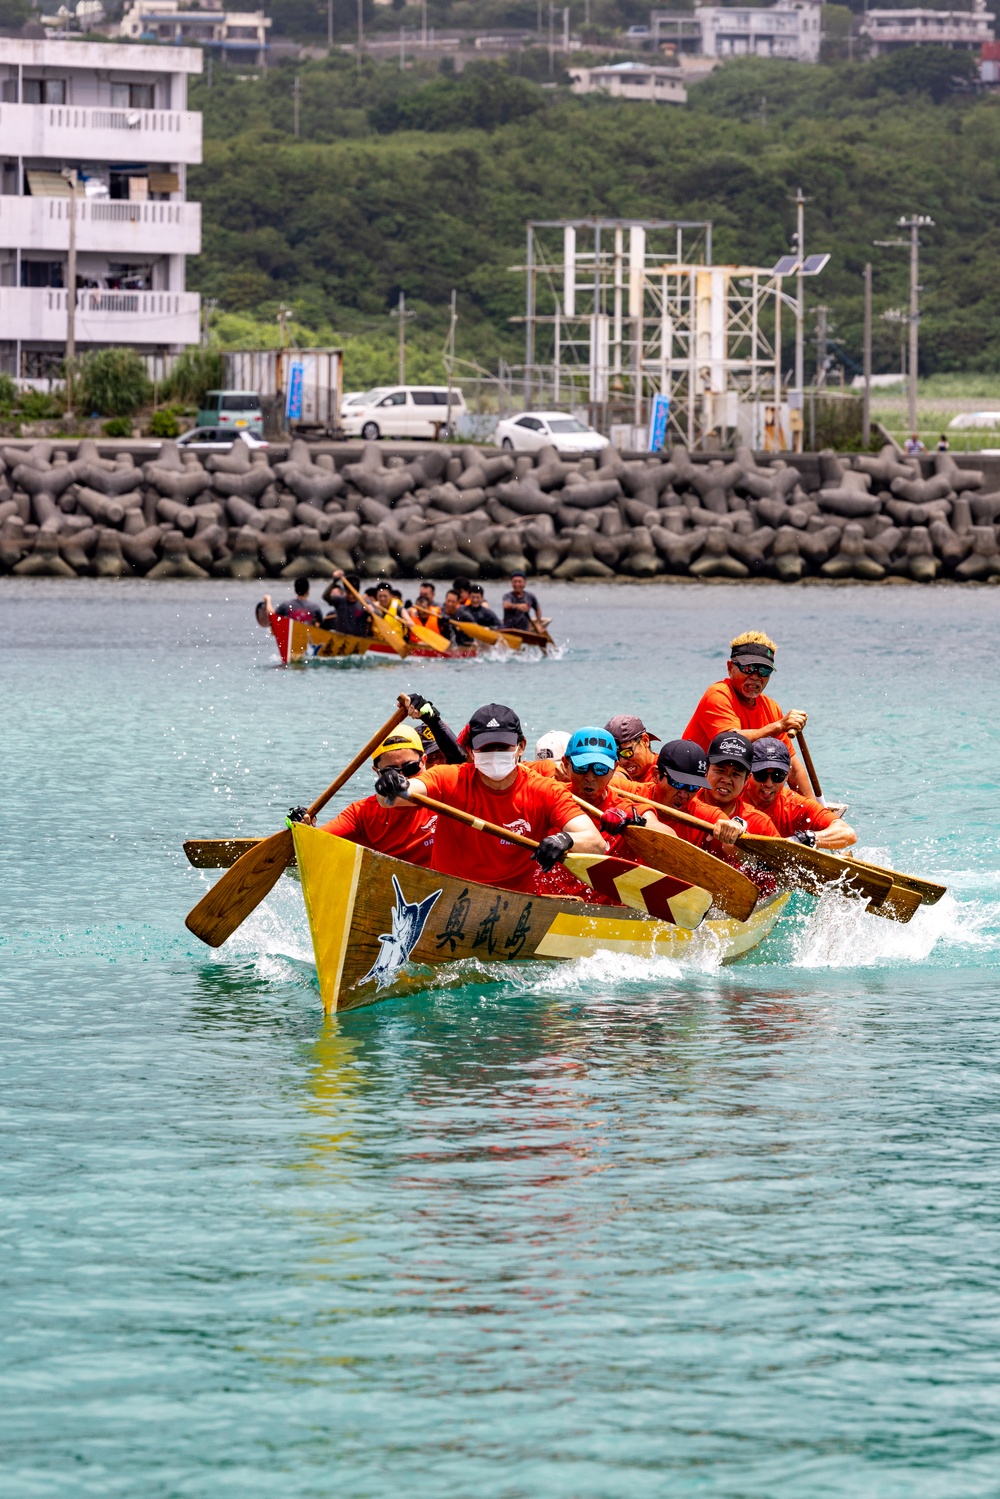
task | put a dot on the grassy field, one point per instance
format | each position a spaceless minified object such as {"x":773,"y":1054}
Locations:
{"x":939,"y":398}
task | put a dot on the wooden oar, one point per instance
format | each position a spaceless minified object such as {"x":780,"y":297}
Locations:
{"x":531,"y":637}
{"x":810,"y":767}
{"x":729,"y":888}
{"x":424,"y":633}
{"x":486,"y":635}
{"x":809,"y":868}
{"x":643,"y":889}
{"x":388,"y":630}
{"x":242,"y":888}
{"x":217,"y":853}
{"x":930,"y":891}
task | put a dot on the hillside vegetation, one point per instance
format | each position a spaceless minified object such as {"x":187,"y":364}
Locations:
{"x":401,"y":181}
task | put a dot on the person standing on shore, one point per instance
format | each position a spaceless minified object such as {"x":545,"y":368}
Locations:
{"x":739,"y":703}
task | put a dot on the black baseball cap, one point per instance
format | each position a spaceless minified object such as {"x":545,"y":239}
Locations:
{"x":685,"y":761}
{"x":494,"y":724}
{"x":731,"y":747}
{"x":752,"y":654}
{"x":771,"y":754}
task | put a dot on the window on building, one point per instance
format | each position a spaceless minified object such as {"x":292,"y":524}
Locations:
{"x":132,"y":96}
{"x":41,"y":273}
{"x":43,"y":91}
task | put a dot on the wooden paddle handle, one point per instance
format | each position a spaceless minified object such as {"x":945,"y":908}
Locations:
{"x":644,"y":801}
{"x":358,"y":761}
{"x":810,"y":767}
{"x":470,"y":821}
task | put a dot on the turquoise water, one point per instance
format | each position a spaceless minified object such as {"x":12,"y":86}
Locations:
{"x":594,"y":1230}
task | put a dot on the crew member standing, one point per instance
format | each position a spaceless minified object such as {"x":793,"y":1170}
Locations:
{"x":497,"y":789}
{"x":299,"y":608}
{"x":739,"y":703}
{"x":519,"y":606}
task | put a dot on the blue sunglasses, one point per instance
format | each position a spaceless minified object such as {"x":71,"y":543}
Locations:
{"x":594,"y":770}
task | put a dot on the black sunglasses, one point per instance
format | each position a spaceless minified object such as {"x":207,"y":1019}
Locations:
{"x":753,"y":670}
{"x":679,"y":785}
{"x":594,"y":770}
{"x":777,"y":776}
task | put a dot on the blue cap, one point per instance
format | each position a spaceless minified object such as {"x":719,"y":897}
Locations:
{"x":592,"y":746}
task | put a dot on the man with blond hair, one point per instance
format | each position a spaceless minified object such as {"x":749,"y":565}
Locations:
{"x":739,"y":704}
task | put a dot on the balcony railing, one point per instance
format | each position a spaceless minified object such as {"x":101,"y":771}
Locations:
{"x":58,"y":130}
{"x":163,"y":318}
{"x":111,"y":225}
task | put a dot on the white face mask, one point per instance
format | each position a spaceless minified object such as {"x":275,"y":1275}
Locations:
{"x":497,"y":764}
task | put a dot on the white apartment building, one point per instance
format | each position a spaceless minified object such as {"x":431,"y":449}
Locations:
{"x":631,"y":80}
{"x":789,"y":28}
{"x":888,"y":30}
{"x":241,"y":33}
{"x":117,"y":117}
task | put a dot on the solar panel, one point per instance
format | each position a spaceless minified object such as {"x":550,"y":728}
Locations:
{"x":813,"y":264}
{"x":786,"y":265}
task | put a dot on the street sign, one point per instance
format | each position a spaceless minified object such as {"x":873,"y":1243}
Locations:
{"x":658,"y":417}
{"x":293,"y":406}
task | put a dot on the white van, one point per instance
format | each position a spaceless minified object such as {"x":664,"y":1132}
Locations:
{"x":404,"y":411}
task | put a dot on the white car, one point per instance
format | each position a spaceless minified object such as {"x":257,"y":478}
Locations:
{"x":352,"y":398}
{"x":404,"y":411}
{"x":539,"y":429}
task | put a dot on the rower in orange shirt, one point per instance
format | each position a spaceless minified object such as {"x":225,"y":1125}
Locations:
{"x":404,"y":834}
{"x":497,"y":789}
{"x":681,"y":773}
{"x":588,"y":766}
{"x":635,"y":757}
{"x":723,"y":803}
{"x":739,"y":703}
{"x":794,"y":816}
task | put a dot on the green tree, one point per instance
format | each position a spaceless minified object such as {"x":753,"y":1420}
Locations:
{"x":113,"y":382}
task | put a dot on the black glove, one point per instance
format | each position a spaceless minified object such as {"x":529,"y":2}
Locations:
{"x":806,"y":837}
{"x":552,"y":849}
{"x":617,"y":819}
{"x":298,"y":814}
{"x":391,"y":783}
{"x":425,"y":709}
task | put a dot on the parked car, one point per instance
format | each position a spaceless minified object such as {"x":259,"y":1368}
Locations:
{"x":353,"y":398}
{"x":218,"y":439}
{"x":404,"y":411}
{"x":539,"y":429}
{"x":239,"y":409}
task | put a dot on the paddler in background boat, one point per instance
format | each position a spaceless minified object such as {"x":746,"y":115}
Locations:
{"x":519,"y":606}
{"x":498,"y":789}
{"x":461,"y":587}
{"x":636,"y":759}
{"x":299,"y":608}
{"x":795,"y":816}
{"x":739,"y":703}
{"x":477,"y":611}
{"x":588,"y":765}
{"x":448,"y":620}
{"x":404,"y":833}
{"x":347,"y":616}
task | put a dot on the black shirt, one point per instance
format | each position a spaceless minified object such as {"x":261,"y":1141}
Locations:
{"x":480,"y":615}
{"x":515,"y":618}
{"x":348,"y":618}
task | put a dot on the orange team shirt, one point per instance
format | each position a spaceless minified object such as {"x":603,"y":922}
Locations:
{"x":550,"y":769}
{"x":721,"y":709}
{"x":756,"y":821}
{"x":559,"y":881}
{"x":401,"y":831}
{"x":533,"y":805}
{"x":793,"y":813}
{"x":690,"y":835}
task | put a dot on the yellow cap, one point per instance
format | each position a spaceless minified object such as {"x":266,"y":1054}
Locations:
{"x":397,"y":740}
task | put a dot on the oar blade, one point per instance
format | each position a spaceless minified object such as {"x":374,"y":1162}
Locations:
{"x":930,"y":891}
{"x":730,"y":889}
{"x":643,"y":889}
{"x":217,"y":853}
{"x":429,"y":637}
{"x":391,"y":633}
{"x":812,"y":869}
{"x":241,"y":889}
{"x":899,"y":905}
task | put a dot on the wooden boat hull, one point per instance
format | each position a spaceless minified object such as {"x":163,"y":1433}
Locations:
{"x":301,"y":642}
{"x":380,"y":927}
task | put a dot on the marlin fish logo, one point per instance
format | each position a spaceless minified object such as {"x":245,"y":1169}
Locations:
{"x":408,"y":921}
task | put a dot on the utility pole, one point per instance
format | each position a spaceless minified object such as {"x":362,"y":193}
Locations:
{"x":361,"y":31}
{"x":423,"y":23}
{"x":914,"y":223}
{"x":329,"y":23}
{"x":70,"y":176}
{"x":866,"y":359}
{"x":400,"y":311}
{"x":451,"y":350}
{"x":402,"y":49}
{"x":283,"y":315}
{"x":208,"y":306}
{"x":565,"y":30}
{"x":821,"y":342}
{"x":296,"y":91}
{"x":800,"y":295}
{"x":551,"y":44}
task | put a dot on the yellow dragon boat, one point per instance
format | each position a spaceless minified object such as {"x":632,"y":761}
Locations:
{"x":381,"y":927}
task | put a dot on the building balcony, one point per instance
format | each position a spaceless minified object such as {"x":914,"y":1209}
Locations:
{"x":64,"y":132}
{"x":38,"y":315}
{"x":102,"y":224}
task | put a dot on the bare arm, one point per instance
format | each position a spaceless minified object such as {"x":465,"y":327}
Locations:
{"x":838,"y":835}
{"x":586,"y":838}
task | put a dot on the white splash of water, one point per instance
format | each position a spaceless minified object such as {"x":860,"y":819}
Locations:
{"x":839,"y":933}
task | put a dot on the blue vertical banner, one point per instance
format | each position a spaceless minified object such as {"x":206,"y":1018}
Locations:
{"x":658,"y":423}
{"x":293,"y":406}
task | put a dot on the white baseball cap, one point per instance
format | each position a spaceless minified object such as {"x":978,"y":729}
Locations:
{"x":551,"y":746}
